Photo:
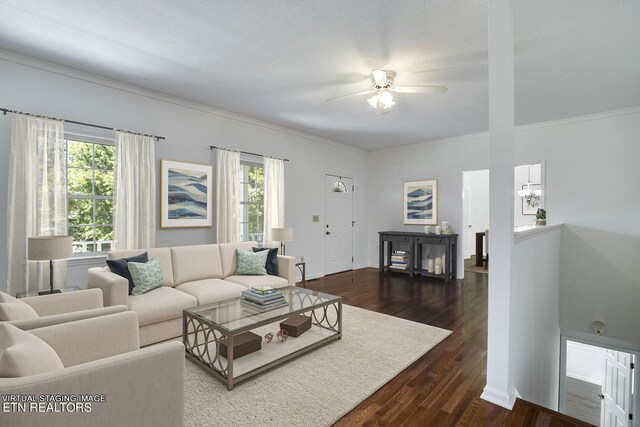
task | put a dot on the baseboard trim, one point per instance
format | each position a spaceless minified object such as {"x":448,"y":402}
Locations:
{"x":498,"y":398}
{"x":313,"y":276}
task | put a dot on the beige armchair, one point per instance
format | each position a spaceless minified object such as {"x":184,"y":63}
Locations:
{"x":102,"y":358}
{"x":44,"y":310}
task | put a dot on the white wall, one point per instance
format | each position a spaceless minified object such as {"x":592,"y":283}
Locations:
{"x":534,"y":324}
{"x":189,"y":130}
{"x":591,"y":178}
{"x":586,"y":362}
{"x":444,"y":161}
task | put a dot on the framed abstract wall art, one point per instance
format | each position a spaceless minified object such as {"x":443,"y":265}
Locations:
{"x":421,"y":202}
{"x":186,"y":191}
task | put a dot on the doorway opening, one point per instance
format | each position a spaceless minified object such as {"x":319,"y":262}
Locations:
{"x":599,"y":385}
{"x":475,"y":220}
{"x":339,"y":224}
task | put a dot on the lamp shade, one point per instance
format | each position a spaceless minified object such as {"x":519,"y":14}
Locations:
{"x":50,"y":247}
{"x":282,"y":234}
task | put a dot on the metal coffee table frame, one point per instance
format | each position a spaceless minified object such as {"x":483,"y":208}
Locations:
{"x":202,"y":336}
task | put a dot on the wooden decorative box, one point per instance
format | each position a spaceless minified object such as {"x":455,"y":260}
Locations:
{"x":243,"y":344}
{"x":296,"y":325}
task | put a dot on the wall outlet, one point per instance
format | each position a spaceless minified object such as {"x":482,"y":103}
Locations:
{"x":315,"y":218}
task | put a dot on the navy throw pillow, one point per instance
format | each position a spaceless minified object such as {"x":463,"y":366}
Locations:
{"x":121,"y":267}
{"x":272,"y":260}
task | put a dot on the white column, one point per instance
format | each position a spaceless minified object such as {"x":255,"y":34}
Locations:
{"x":499,"y":388}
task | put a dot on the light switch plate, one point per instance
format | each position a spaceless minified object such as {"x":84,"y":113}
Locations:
{"x":315,"y":218}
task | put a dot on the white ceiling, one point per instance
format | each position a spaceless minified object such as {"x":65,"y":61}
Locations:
{"x":279,"y":60}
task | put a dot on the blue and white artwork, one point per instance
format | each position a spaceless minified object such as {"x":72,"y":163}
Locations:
{"x":421,"y":202}
{"x":186,"y":195}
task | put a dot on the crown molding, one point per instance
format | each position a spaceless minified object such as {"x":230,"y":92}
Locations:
{"x":579,"y":119}
{"x":524,"y":128}
{"x":163,"y":97}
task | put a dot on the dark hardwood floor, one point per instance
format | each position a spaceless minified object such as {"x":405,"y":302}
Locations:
{"x":443,"y":387}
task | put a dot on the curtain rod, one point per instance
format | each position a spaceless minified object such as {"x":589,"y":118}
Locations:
{"x":6,"y":110}
{"x":213,"y":147}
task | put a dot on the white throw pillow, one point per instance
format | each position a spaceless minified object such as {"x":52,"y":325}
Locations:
{"x":13,"y":309}
{"x":23,"y":354}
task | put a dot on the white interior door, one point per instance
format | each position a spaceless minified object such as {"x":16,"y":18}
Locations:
{"x":616,"y":391}
{"x":338,"y":224}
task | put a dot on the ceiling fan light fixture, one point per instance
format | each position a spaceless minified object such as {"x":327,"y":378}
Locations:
{"x":373,"y":101}
{"x":386,"y":99}
{"x":528,"y":187}
{"x":524,"y":192}
{"x":379,"y":77}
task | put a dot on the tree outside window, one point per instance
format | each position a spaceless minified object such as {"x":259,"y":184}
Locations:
{"x":252,"y":202}
{"x":90,"y":180}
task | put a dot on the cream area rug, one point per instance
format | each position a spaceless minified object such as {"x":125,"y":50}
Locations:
{"x":317,"y":388}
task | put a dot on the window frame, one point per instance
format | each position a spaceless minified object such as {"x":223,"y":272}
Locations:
{"x":72,"y":137}
{"x":245,"y":203}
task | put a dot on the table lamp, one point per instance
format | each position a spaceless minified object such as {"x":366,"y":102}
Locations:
{"x":44,"y":248}
{"x":282,"y":235}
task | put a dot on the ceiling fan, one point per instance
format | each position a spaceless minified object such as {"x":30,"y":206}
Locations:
{"x":382,"y":88}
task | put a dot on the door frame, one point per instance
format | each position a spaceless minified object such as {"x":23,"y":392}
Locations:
{"x":353,"y":221}
{"x":462,"y":205}
{"x":602,"y":342}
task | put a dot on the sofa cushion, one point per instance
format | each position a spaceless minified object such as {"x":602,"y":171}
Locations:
{"x":250,"y":281}
{"x":163,"y":254}
{"x":251,"y":263}
{"x":272,"y":260}
{"x":146,"y":276}
{"x":121,"y":267}
{"x":160,"y":304}
{"x":196,"y":263}
{"x":13,"y":309}
{"x":23,"y":354}
{"x":211,"y":290}
{"x":228,"y":255}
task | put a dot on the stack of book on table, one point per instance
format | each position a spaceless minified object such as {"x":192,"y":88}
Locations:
{"x":399,"y":260}
{"x":263,"y":298}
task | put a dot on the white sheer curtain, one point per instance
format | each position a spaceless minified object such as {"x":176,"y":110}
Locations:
{"x":134,"y":198}
{"x":273,"y":196}
{"x":227,"y":196}
{"x":37,"y":202}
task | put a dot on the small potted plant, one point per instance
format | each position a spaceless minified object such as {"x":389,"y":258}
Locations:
{"x":541,"y":217}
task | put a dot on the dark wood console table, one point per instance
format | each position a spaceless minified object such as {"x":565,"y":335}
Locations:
{"x":413,"y":243}
{"x":479,"y":247}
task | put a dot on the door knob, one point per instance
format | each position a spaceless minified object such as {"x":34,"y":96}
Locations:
{"x":328,"y":232}
{"x":601,"y":396}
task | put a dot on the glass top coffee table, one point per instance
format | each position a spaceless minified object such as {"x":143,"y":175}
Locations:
{"x":205,"y":327}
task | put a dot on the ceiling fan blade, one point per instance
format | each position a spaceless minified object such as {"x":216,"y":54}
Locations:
{"x":366,"y":92}
{"x":434,"y":90}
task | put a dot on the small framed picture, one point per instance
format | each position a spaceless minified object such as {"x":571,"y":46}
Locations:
{"x":421,"y":202}
{"x":531,"y":203}
{"x":186,"y":191}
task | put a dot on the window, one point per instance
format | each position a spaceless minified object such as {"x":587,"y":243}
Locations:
{"x":251,"y":202}
{"x":339,"y":187}
{"x":90,"y":180}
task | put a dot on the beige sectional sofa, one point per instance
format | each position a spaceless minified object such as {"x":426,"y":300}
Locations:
{"x":98,"y":356}
{"x":193,"y":275}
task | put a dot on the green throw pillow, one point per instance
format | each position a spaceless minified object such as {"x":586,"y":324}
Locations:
{"x":251,"y":263}
{"x":146,"y":275}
